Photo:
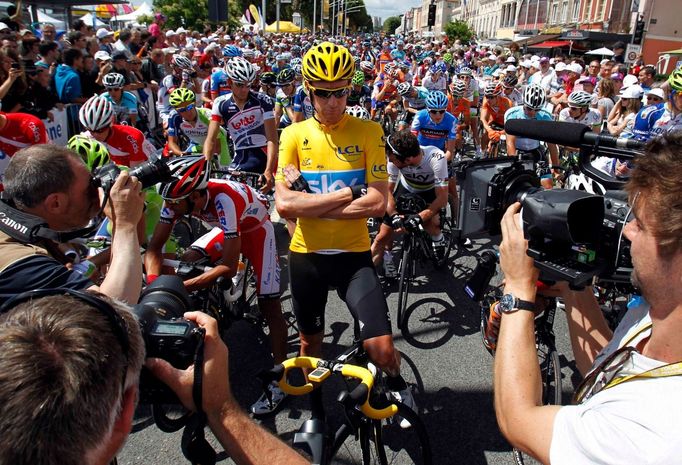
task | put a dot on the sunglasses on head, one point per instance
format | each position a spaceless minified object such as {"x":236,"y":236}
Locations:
{"x":327,"y":93}
{"x":184,"y":109}
{"x":437,"y":112}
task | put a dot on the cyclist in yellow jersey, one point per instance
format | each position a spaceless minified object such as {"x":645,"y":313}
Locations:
{"x":332,"y":177}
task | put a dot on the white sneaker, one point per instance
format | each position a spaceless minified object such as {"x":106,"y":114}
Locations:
{"x":263,"y":406}
{"x":406,"y":398}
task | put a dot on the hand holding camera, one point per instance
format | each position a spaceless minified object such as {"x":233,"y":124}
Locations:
{"x":126,"y":200}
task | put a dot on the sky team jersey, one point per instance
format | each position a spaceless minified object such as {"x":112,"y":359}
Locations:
{"x":246,"y":126}
{"x":358,"y":97}
{"x":331,"y":158}
{"x":126,"y":144}
{"x":234,"y":207}
{"x":125,"y":108}
{"x":302,"y":103}
{"x":430,"y":133}
{"x":21,"y":130}
{"x":431,"y":172}
{"x":517,"y":112}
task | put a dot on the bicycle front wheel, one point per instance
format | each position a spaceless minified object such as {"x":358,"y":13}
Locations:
{"x":393,"y":444}
{"x":404,"y":284}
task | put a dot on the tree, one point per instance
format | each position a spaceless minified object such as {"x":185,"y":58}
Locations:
{"x":391,"y":24}
{"x":190,"y":14}
{"x":459,"y":30}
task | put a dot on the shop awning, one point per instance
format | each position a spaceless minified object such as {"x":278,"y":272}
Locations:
{"x":536,"y":39}
{"x":551,"y":44}
{"x":594,"y":36}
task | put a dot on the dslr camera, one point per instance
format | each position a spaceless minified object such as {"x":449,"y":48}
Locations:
{"x":572,"y":235}
{"x":148,"y":173}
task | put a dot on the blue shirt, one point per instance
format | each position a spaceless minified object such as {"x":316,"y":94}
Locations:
{"x":67,"y":83}
{"x":302,"y":103}
{"x":523,"y":143}
{"x":430,"y":133}
{"x":645,"y":121}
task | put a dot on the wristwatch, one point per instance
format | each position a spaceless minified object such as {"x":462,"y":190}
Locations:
{"x":510,"y":304}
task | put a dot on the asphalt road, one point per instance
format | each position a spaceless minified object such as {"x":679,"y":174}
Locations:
{"x":444,"y":350}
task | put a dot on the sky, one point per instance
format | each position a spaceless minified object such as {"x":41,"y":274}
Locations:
{"x":386,"y":8}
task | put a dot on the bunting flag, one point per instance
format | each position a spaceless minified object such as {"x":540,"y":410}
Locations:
{"x":254,"y":13}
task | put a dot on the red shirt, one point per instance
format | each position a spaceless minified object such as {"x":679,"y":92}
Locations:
{"x":126,"y":144}
{"x":22,"y":130}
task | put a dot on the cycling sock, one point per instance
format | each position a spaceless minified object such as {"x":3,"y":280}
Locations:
{"x":437,"y":239}
{"x":395,"y":383}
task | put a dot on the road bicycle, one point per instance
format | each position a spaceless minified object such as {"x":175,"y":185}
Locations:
{"x":548,"y":357}
{"x":417,"y":251}
{"x":370,"y":433}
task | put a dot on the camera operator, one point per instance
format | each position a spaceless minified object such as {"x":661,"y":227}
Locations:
{"x":52,"y":185}
{"x":51,"y":417}
{"x":629,"y":405}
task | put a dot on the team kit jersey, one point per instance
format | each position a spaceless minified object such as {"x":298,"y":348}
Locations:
{"x":124,"y":108}
{"x":358,"y":97}
{"x":284,"y":101}
{"x":418,"y":102}
{"x":20,"y":131}
{"x":655,"y":120}
{"x":168,"y":85}
{"x":430,"y":133}
{"x":219,"y":84}
{"x":126,"y":145}
{"x":523,"y":143}
{"x":591,"y":118}
{"x":302,"y":103}
{"x":331,"y":158}
{"x":497,"y":111}
{"x":246,"y":127}
{"x":197,"y":131}
{"x":431,"y":172}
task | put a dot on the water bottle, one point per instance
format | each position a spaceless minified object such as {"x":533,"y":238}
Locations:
{"x":236,"y":291}
{"x":478,"y":283}
{"x":492,"y":327}
{"x":85,"y":267}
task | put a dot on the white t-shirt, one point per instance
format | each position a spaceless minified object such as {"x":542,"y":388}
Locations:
{"x":431,"y":172}
{"x":591,"y":118}
{"x":635,"y":422}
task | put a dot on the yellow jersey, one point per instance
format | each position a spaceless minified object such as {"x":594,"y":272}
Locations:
{"x":331,"y":158}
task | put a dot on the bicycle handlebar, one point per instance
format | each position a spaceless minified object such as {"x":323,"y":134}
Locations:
{"x":361,"y":392}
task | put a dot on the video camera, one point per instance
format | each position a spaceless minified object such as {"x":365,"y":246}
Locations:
{"x":572,"y":235}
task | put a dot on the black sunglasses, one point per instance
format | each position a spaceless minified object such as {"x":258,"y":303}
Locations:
{"x":437,"y":112}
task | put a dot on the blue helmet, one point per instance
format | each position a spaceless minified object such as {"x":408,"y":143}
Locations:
{"x":434,"y":69}
{"x":396,"y":54}
{"x":442,"y":67}
{"x":436,"y":100}
{"x":230,"y":51}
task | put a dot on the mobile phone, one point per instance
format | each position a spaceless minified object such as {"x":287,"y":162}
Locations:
{"x":16,"y":66}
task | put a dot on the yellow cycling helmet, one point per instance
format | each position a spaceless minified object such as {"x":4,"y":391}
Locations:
{"x":181,"y":96}
{"x":675,"y":80}
{"x":328,"y":62}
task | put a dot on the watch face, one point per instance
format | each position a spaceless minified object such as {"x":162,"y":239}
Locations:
{"x":507,"y":302}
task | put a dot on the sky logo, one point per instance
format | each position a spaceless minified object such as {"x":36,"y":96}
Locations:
{"x":321,"y":182}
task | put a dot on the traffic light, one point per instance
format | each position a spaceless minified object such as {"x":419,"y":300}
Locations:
{"x":639,"y":32}
{"x":432,"y":15}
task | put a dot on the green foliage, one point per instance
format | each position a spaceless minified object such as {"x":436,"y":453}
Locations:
{"x":191,"y":14}
{"x":459,"y":30}
{"x":391,"y":24}
{"x":145,"y":19}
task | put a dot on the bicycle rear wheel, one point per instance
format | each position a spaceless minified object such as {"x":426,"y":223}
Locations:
{"x":393,"y":444}
{"x":404,"y":283}
{"x":550,"y":372}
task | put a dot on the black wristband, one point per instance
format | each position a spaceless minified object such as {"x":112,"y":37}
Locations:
{"x":358,"y":190}
{"x":301,"y":185}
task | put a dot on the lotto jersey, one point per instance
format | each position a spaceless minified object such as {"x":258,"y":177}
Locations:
{"x":234,"y":207}
{"x":430,"y":133}
{"x":331,"y":158}
{"x":246,"y":125}
{"x":126,"y":144}
{"x":431,"y":172}
{"x":21,"y":130}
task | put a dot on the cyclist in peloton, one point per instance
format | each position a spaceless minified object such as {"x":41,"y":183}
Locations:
{"x":332,"y":189}
{"x":579,"y":111}
{"x":655,"y":120}
{"x":240,"y":220}
{"x":385,"y":91}
{"x":124,"y":102}
{"x":127,"y":145}
{"x":423,"y":171}
{"x":492,"y":116}
{"x":191,"y":122}
{"x":284,"y":98}
{"x":219,"y":84}
{"x":534,"y":98}
{"x":360,"y":94}
{"x":180,"y":76}
{"x":414,"y":100}
{"x":509,"y":83}
{"x":250,"y":122}
{"x":472,"y":95}
{"x":460,"y":108}
{"x":18,"y":130}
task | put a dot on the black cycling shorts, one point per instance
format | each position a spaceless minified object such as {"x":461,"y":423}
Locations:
{"x":356,"y":282}
{"x":253,"y":160}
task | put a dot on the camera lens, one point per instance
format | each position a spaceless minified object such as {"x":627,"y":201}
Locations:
{"x":152,"y":172}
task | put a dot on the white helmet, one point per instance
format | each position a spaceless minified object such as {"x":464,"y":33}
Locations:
{"x":534,"y":97}
{"x":358,"y":111}
{"x":580,"y":99}
{"x":113,"y":80}
{"x":97,"y":113}
{"x":240,"y":70}
{"x":182,"y":62}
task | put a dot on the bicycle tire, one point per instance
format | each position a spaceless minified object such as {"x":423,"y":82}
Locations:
{"x":550,"y":371}
{"x":394,"y":444}
{"x":404,"y":283}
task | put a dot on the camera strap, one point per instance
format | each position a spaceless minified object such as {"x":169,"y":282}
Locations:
{"x":195,"y":447}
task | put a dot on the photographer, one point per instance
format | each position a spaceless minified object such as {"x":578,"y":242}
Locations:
{"x":52,"y":417}
{"x":52,"y":185}
{"x":629,"y":405}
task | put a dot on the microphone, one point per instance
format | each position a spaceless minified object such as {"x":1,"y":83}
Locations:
{"x":568,"y":134}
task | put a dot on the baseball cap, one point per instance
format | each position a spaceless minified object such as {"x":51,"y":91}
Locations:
{"x":587,"y":80}
{"x":575,"y":68}
{"x":171,"y":50}
{"x":544,"y":60}
{"x":629,"y":80}
{"x":658,"y":92}
{"x":526,"y":63}
{"x":535,"y":64}
{"x":102,"y":55}
{"x":617,"y":76}
{"x":618,"y":45}
{"x":3,"y":26}
{"x":181,"y":30}
{"x":511,"y":69}
{"x":170,"y":33}
{"x":633,"y":91}
{"x":561,"y":66}
{"x":511,"y":60}
{"x":102,"y":33}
